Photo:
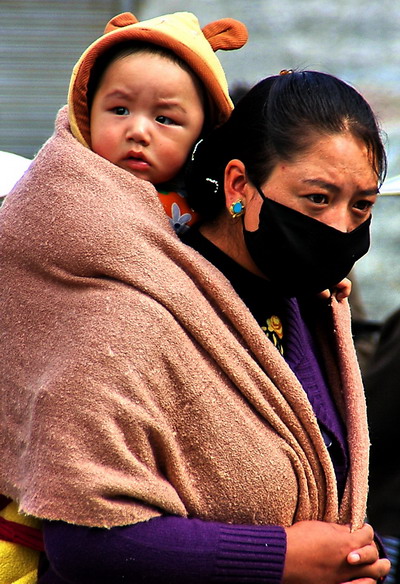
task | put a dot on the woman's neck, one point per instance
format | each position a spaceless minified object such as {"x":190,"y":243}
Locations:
{"x":226,"y":233}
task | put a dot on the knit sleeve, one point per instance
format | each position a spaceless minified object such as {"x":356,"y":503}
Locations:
{"x":165,"y":549}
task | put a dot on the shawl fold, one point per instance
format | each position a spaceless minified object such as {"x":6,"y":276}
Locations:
{"x":134,"y":380}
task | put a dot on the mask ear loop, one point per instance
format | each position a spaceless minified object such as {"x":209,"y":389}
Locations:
{"x":260,"y":193}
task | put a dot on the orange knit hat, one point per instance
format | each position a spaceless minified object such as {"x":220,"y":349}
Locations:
{"x":180,"y":33}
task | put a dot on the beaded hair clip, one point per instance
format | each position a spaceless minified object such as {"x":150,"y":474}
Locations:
{"x":215,"y":183}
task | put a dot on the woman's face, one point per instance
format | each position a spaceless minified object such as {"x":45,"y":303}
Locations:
{"x":333,"y":181}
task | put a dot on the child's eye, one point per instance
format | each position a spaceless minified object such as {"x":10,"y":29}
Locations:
{"x":121,"y":111}
{"x":165,"y":120}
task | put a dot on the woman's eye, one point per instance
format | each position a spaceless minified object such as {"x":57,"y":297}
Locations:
{"x":364,"y":205}
{"x":318,"y":199}
{"x":165,"y":120}
{"x":121,"y":111}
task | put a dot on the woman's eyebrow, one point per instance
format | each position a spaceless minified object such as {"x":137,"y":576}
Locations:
{"x":333,"y":188}
{"x":323,"y":184}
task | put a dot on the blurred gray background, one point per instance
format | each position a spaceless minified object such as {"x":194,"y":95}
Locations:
{"x":357,"y":40}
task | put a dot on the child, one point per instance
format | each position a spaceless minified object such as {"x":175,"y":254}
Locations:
{"x":140,"y":96}
{"x":146,"y":111}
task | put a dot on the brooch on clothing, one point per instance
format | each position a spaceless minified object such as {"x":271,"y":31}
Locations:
{"x":274,"y":331}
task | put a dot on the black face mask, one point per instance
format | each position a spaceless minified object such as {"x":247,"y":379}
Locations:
{"x":299,"y":254}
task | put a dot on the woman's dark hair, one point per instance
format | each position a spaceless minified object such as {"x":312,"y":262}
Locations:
{"x":276,"y":120}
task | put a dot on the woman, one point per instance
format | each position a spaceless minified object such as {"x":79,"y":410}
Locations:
{"x":161,"y":433}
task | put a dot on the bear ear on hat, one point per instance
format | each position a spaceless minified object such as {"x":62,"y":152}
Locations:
{"x":226,"y":34}
{"x":121,"y":20}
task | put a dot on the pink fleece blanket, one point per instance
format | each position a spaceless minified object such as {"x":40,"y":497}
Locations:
{"x":134,"y":380}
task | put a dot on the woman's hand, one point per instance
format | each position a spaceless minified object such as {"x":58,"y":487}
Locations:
{"x":340,"y":291}
{"x":330,"y":553}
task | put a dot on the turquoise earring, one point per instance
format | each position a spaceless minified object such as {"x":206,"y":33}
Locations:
{"x":237,"y":209}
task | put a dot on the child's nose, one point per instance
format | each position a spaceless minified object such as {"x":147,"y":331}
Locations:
{"x":139,"y":130}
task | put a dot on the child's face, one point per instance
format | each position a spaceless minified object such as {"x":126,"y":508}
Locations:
{"x":146,"y":115}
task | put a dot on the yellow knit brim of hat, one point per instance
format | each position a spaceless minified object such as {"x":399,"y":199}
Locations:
{"x":180,"y":33}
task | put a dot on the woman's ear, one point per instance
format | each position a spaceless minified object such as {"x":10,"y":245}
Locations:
{"x":236,"y":183}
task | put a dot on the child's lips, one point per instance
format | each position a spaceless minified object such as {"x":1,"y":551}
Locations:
{"x":136,"y":161}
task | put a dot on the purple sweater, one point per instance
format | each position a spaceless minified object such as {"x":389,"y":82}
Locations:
{"x":178,"y":550}
{"x":173,"y":550}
